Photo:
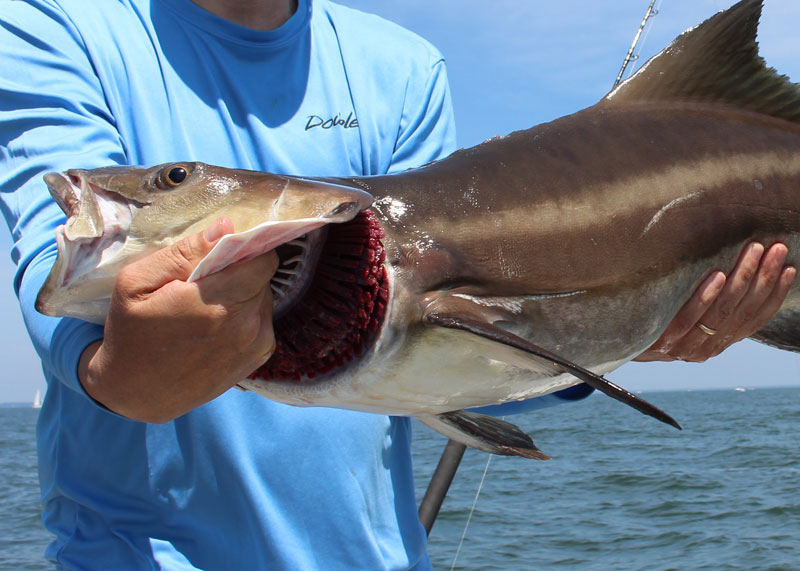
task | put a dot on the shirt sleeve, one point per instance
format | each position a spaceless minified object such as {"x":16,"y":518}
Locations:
{"x":53,"y":116}
{"x":427,"y":127}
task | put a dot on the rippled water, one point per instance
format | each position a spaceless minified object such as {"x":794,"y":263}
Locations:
{"x":625,"y":492}
{"x":22,"y":536}
{"x":622,"y":490}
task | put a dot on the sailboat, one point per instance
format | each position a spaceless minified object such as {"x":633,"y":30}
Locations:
{"x":37,"y":399}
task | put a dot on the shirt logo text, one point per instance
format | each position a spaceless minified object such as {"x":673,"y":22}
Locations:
{"x":349,"y":122}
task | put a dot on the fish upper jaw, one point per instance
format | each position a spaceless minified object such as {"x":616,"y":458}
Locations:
{"x":91,"y":210}
{"x":95,"y":230}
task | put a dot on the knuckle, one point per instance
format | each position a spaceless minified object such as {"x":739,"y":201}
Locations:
{"x":725,"y":311}
{"x":746,"y":274}
{"x":205,"y":322}
{"x":747,"y":315}
{"x":215,"y":317}
{"x":247,"y":332}
{"x":697,"y":354}
{"x":125,"y":275}
{"x":180,"y":253}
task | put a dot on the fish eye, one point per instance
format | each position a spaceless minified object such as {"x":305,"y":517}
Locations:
{"x":172,"y":176}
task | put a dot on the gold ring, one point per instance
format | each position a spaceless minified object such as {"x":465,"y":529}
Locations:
{"x":707,"y":330}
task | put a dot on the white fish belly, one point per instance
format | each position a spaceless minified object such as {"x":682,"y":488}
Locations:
{"x":440,"y":371}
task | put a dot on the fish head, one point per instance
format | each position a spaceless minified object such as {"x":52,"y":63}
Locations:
{"x":117,"y":215}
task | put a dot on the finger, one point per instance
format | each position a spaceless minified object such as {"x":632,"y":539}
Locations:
{"x":736,"y":287}
{"x":704,"y":297}
{"x":239,"y":282}
{"x":775,"y":299}
{"x":175,"y":262}
{"x":751,"y":308}
{"x":672,"y":344}
{"x":260,"y":342}
{"x":218,"y":229}
{"x":695,"y":346}
{"x":266,"y":338}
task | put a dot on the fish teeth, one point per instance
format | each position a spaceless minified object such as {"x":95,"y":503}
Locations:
{"x":295,"y":260}
{"x":301,"y":242}
{"x":286,"y":275}
{"x":277,"y":291}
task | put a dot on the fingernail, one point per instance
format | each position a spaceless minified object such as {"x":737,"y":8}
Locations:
{"x":756,"y":249}
{"x":713,"y":286}
{"x":215,"y":231}
{"x":790,"y":273}
{"x":718,"y":280}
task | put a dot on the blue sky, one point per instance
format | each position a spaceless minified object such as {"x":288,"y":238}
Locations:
{"x":514,"y":64}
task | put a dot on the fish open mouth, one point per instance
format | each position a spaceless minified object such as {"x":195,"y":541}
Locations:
{"x":332,"y":291}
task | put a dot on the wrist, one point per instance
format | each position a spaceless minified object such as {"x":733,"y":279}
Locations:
{"x":86,"y":369}
{"x":84,"y":364}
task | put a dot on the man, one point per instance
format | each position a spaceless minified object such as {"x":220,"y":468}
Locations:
{"x":147,"y":459}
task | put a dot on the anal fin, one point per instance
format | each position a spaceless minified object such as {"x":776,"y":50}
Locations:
{"x":485,"y":433}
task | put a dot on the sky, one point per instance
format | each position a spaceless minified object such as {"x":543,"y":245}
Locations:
{"x":513,"y":64}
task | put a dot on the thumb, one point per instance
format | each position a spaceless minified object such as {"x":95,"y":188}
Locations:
{"x":175,"y":262}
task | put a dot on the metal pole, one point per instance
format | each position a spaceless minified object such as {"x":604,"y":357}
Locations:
{"x":440,"y":483}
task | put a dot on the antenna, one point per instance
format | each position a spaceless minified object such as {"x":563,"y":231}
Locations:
{"x":630,"y":56}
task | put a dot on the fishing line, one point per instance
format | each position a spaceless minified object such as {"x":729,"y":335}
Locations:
{"x":471,"y":511}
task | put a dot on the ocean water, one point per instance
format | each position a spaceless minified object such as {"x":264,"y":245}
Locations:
{"x":621,"y":492}
{"x":626,"y":492}
{"x":22,"y":535}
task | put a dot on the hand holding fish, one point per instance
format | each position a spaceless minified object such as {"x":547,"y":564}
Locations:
{"x":171,"y":345}
{"x":729,"y":309}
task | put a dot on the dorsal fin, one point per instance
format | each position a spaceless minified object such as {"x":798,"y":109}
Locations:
{"x":716,"y":62}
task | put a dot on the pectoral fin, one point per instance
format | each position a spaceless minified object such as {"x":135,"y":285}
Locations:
{"x":460,"y":313}
{"x":484,"y":433}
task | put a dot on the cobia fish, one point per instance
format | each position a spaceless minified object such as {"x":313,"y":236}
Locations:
{"x":517,"y":268}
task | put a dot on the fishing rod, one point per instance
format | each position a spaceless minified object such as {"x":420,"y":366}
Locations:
{"x":440,"y":483}
{"x":453,"y":452}
{"x":631,"y":56}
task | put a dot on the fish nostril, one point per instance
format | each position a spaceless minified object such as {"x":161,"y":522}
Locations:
{"x":342,"y":208}
{"x":75,"y":180}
